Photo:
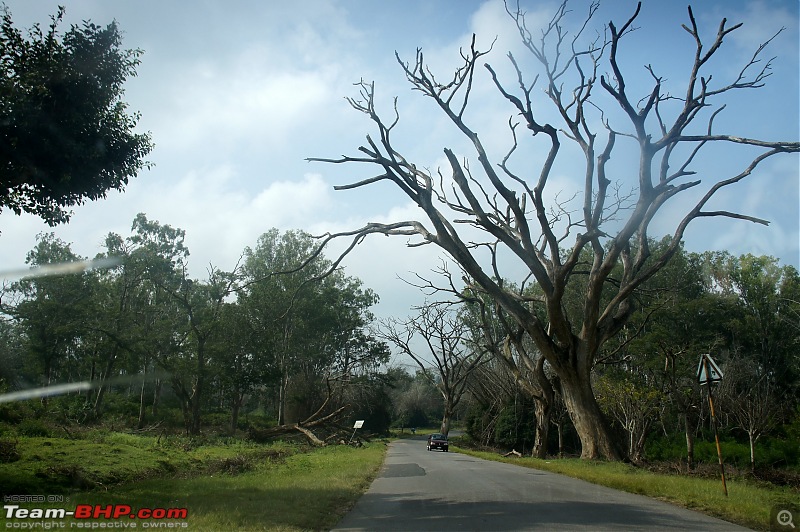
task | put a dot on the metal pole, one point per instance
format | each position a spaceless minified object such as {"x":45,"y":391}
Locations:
{"x":714,"y":424}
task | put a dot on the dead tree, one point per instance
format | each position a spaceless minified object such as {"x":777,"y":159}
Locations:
{"x":447,"y":360}
{"x":507,"y":343}
{"x":507,"y":206}
{"x":318,"y":420}
{"x":749,"y":397}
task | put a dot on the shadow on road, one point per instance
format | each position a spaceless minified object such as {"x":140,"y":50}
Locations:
{"x":442,"y":515}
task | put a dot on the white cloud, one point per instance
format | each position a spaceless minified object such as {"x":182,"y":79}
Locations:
{"x":218,"y":108}
{"x":760,"y":21}
{"x":223,"y":220}
{"x":234,"y":112}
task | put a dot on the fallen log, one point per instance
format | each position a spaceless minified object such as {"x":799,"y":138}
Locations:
{"x":303,"y":427}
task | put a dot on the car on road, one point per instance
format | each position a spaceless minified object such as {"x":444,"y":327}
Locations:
{"x":437,"y":441}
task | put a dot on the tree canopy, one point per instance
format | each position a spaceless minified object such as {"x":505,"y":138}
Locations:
{"x":65,"y":133}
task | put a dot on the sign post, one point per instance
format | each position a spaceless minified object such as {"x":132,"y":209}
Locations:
{"x":708,"y":373}
{"x":358,"y":424}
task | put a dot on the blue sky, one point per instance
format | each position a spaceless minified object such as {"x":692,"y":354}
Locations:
{"x":237,"y":94}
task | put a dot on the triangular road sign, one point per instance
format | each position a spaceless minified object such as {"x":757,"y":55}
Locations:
{"x":708,"y":371}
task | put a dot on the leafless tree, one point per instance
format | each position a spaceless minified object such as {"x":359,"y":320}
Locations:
{"x":491,"y":389}
{"x":447,"y":361}
{"x":508,"y":343}
{"x":749,"y":397}
{"x":507,"y":206}
{"x":635,"y":406}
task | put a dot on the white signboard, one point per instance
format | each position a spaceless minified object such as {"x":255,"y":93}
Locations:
{"x":359,"y":424}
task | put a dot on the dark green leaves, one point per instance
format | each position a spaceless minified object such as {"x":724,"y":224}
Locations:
{"x":65,"y":134}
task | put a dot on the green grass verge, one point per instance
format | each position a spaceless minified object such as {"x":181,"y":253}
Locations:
{"x":224,"y":485}
{"x":747,"y":503}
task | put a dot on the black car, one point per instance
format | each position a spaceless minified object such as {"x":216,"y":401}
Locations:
{"x":437,"y":441}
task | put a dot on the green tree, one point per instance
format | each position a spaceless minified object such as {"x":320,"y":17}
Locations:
{"x":195,"y":307}
{"x":276,"y":308}
{"x":761,"y":374}
{"x":416,"y":401}
{"x":53,"y":311}
{"x":236,"y":365}
{"x":11,"y":355}
{"x":114,"y":329}
{"x":65,"y":133}
{"x":655,"y":355}
{"x":309,"y":325}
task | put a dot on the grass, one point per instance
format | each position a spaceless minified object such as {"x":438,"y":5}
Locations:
{"x":104,"y":460}
{"x":406,"y":433}
{"x":308,"y":491}
{"x":747,"y":503}
{"x":224,"y":485}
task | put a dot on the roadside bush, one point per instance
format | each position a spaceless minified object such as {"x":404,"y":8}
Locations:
{"x":14,"y":412}
{"x":68,"y":407}
{"x":120,"y":405}
{"x":256,"y":421}
{"x":770,"y":452}
{"x":217,"y":420}
{"x":171,"y":417}
{"x":8,"y":451}
{"x":33,"y":428}
{"x":516,"y":427}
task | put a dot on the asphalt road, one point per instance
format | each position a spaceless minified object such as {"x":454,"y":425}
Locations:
{"x":433,"y":490}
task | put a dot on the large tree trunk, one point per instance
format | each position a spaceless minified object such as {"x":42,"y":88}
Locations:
{"x":448,"y":414}
{"x":237,"y":405}
{"x":597,"y":441}
{"x":542,"y":410}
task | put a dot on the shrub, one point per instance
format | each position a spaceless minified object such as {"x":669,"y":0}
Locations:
{"x":14,"y":413}
{"x":33,"y":428}
{"x":8,"y":451}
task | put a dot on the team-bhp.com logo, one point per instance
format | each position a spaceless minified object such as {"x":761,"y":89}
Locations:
{"x":93,"y":512}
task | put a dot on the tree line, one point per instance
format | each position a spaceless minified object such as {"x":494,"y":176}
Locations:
{"x":284,"y":343}
{"x":263,"y":334}
{"x":744,"y":311}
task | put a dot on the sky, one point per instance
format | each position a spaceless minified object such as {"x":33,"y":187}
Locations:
{"x":237,"y":94}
